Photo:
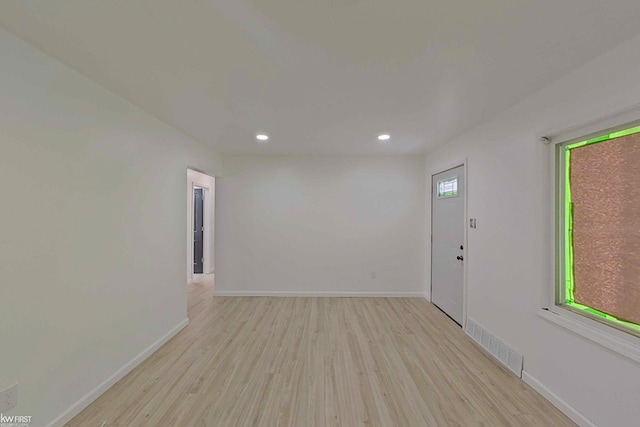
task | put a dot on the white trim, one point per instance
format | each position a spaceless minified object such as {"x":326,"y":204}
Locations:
{"x":435,"y":171}
{"x":552,"y":243}
{"x":556,"y":401}
{"x":318,"y":294}
{"x":207,"y":244}
{"x":466,"y":243}
{"x":87,"y":399}
{"x":592,"y":330}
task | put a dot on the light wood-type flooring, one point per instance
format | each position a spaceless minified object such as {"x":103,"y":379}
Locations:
{"x":256,"y":361}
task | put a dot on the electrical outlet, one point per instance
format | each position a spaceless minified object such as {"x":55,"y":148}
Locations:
{"x":9,"y":398}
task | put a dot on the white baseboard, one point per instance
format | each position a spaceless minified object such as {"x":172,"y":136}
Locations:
{"x":87,"y":399}
{"x":563,"y":406}
{"x":318,"y":294}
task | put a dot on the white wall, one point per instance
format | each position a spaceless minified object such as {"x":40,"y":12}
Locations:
{"x":509,"y":254}
{"x":92,"y":226}
{"x":302,"y":225}
{"x":195,"y":178}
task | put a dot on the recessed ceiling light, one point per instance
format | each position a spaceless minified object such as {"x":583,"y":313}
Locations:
{"x":262,"y":137}
{"x":384,"y":137}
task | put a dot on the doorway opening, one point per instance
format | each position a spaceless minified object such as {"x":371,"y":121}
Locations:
{"x":198,"y":230}
{"x":448,"y":242}
{"x":200,"y":225}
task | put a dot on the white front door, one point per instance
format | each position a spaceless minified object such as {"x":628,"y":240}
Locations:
{"x":447,"y":244}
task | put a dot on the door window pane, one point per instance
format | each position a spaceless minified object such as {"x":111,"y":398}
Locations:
{"x":448,"y":187}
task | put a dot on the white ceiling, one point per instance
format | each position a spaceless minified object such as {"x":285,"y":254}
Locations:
{"x":323,"y":76}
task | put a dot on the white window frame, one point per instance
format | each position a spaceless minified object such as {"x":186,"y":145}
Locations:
{"x":600,"y":331}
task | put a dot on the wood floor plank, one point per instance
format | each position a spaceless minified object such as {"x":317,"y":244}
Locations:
{"x":258,"y":361}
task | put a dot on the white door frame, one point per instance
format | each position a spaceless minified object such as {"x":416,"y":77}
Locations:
{"x":193,"y":181}
{"x":206,"y":221}
{"x":436,"y":171}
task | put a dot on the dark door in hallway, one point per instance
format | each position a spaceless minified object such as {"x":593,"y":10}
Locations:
{"x":198,"y":230}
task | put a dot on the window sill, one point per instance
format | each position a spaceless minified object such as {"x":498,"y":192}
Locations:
{"x":600,"y":334}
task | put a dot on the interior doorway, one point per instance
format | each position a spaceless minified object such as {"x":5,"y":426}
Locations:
{"x":198,"y":230}
{"x":200,"y":224}
{"x":448,"y":242}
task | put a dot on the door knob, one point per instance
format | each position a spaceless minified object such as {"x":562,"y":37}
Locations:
{"x":460,"y":258}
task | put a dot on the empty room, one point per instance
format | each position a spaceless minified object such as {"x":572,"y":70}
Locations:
{"x":319,"y":213}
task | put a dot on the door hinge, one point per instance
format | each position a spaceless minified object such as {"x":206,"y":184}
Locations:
{"x":203,"y":228}
{"x":202,"y":259}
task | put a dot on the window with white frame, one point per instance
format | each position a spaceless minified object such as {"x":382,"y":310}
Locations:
{"x":598,"y":227}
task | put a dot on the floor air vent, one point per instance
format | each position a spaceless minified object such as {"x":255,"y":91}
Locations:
{"x":495,"y":346}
